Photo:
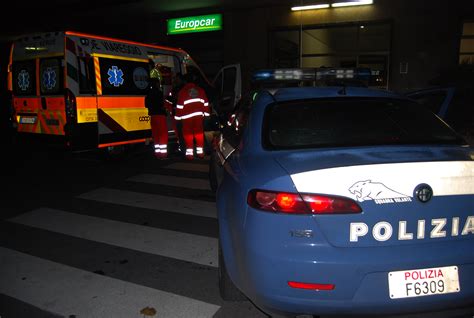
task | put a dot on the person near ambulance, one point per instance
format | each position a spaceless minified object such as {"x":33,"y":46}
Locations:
{"x":171,"y":101}
{"x":192,"y":106}
{"x":154,"y":101}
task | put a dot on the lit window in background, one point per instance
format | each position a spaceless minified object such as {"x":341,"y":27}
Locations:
{"x":352,"y":3}
{"x":334,"y":5}
{"x":310,"y":7}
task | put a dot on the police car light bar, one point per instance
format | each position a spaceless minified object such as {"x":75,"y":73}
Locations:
{"x":284,"y":74}
{"x":310,"y":74}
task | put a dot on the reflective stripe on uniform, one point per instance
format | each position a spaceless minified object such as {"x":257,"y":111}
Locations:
{"x":161,"y":148}
{"x":190,"y":115}
{"x":194,"y":100}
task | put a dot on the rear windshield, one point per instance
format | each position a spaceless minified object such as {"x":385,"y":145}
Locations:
{"x":352,"y":122}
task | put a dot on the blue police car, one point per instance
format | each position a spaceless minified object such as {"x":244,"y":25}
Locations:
{"x":344,"y":200}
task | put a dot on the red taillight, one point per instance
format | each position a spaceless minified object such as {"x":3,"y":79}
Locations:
{"x":301,"y":204}
{"x":287,"y":200}
{"x":329,"y":204}
{"x":277,"y":201}
{"x":311,"y":286}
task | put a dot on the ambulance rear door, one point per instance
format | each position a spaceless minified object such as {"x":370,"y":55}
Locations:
{"x":38,"y":84}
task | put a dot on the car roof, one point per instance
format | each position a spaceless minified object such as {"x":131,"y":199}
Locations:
{"x":298,"y":93}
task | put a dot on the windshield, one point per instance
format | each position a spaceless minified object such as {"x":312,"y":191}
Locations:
{"x":345,"y":122}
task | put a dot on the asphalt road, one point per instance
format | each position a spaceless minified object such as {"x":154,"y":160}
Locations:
{"x":81,"y":236}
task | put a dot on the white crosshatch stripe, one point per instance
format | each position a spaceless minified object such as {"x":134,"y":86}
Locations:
{"x":188,"y":167}
{"x":152,"y":201}
{"x":200,"y":184}
{"x":68,"y":291}
{"x":178,"y":245}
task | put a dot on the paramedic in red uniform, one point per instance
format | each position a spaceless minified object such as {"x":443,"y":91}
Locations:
{"x":154,"y":101}
{"x":191,"y":107}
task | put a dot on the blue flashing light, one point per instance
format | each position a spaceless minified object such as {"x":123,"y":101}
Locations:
{"x":311,"y":74}
{"x":262,"y":75}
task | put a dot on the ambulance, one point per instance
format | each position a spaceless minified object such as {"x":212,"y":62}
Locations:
{"x":86,"y":91}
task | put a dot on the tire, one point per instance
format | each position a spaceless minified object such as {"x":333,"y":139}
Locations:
{"x":227,"y":289}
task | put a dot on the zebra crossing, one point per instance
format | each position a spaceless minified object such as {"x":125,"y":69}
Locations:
{"x":75,"y":262}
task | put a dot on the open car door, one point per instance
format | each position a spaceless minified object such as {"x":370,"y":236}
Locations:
{"x":228,"y":83}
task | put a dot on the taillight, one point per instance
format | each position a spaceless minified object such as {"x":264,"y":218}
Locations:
{"x":295,"y":203}
{"x":311,"y":286}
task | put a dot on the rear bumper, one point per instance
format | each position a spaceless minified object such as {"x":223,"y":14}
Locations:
{"x":268,"y":257}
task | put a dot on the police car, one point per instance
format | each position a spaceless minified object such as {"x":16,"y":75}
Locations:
{"x":344,"y":200}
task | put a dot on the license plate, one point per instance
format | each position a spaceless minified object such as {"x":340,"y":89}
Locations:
{"x":27,"y":120}
{"x":423,"y":282}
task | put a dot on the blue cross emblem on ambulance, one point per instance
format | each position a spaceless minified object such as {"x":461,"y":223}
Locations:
{"x":23,"y":80}
{"x":115,"y":76}
{"x":49,"y":78}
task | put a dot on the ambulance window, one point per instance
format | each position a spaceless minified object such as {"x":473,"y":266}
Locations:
{"x":122,"y":77}
{"x":24,"y":78}
{"x":86,"y":75}
{"x":51,"y":76}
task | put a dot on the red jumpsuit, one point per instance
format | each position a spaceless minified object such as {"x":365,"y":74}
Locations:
{"x":191,"y":107}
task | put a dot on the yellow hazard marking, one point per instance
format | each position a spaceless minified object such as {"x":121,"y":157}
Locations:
{"x":130,"y":119}
{"x":97,"y":76}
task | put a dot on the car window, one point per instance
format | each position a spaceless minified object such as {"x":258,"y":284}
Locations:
{"x":460,"y":113}
{"x":352,"y":122}
{"x":432,"y":100}
{"x":237,"y":121}
{"x":229,"y":80}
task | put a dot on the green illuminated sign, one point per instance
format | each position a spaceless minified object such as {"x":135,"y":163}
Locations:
{"x":203,"y":23}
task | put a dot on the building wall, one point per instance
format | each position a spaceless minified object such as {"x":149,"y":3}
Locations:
{"x":425,"y":34}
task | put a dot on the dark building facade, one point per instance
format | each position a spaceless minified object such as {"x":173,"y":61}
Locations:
{"x":405,"y":43}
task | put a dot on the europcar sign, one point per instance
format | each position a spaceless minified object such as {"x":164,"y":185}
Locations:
{"x":203,"y":23}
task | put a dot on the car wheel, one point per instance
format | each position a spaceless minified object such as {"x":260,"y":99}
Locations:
{"x":227,"y":288}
